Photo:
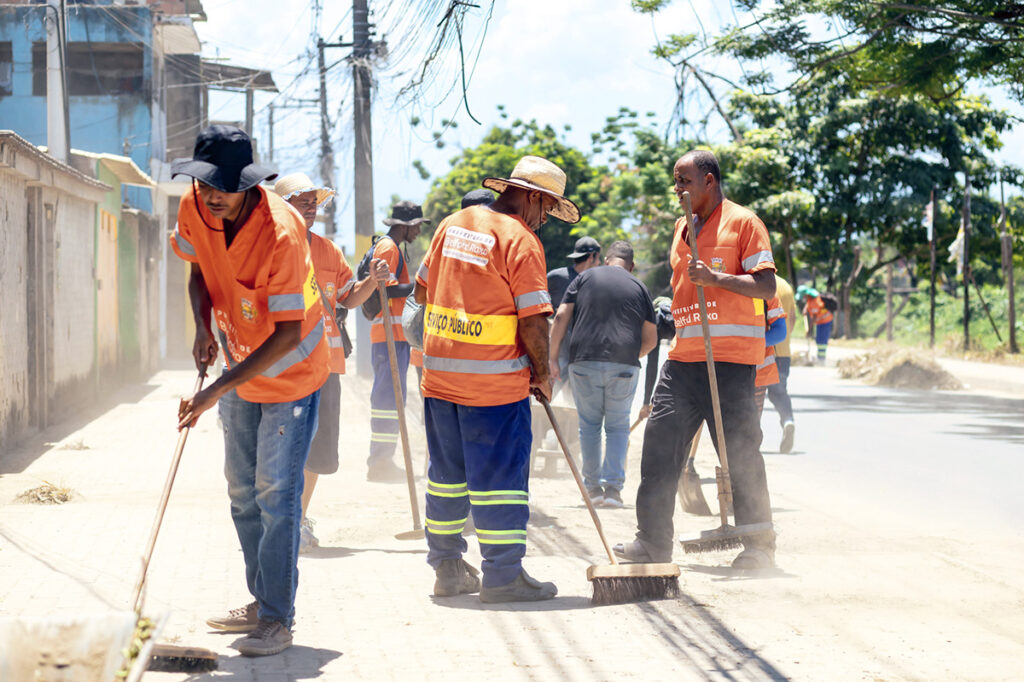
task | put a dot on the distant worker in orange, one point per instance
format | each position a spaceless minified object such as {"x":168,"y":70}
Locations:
{"x":485,"y":348}
{"x":337,"y":285}
{"x":818,"y":317}
{"x":778,"y":393}
{"x":775,"y":331}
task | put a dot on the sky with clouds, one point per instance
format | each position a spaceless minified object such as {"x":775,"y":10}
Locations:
{"x":561,"y":62}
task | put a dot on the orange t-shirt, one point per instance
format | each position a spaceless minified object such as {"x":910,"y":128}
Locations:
{"x":484,"y":271}
{"x":264,"y":277}
{"x":387,"y":250}
{"x":415,"y":357}
{"x":336,"y":280}
{"x":815,"y":307}
{"x":767,"y":371}
{"x":734,"y":241}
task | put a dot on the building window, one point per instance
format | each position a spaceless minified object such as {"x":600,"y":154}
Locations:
{"x":6,"y":68}
{"x":94,"y":69}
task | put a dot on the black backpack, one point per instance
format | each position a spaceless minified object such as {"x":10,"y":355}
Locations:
{"x":371,"y":307}
{"x":830,"y":301}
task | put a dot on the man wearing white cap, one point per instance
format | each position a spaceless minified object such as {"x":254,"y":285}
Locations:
{"x":485,"y":349}
{"x":337,"y":285}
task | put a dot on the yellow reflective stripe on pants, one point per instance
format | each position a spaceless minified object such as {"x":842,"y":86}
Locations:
{"x":447,"y":489}
{"x":445,"y":527}
{"x":501,"y":537}
{"x":492,"y":497}
{"x":383,"y":437}
{"x":384,"y":414}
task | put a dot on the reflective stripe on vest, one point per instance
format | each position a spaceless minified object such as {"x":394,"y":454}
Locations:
{"x":299,"y":353}
{"x":446,"y":527}
{"x":775,"y":313}
{"x":184,"y":244}
{"x":751,"y":262}
{"x":767,"y":362}
{"x":447,"y":489}
{"x":423,"y":273}
{"x":533,"y":298}
{"x":501,"y":537}
{"x":465,"y":366}
{"x":334,"y":341}
{"x":457,"y":325}
{"x":494,"y":497}
{"x":285,"y":303}
{"x":743,"y":330}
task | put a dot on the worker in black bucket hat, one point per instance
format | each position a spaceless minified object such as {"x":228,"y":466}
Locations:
{"x":263,"y":297}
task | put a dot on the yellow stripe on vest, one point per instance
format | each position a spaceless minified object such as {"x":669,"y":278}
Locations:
{"x":488,"y":330}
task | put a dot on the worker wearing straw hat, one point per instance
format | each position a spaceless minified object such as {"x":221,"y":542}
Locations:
{"x":338,"y":285}
{"x":485,"y":349}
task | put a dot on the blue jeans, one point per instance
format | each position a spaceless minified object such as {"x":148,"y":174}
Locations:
{"x":603,"y":392}
{"x":265,"y":447}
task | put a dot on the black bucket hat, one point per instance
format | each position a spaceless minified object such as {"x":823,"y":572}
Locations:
{"x":405,"y":213}
{"x":222,"y":159}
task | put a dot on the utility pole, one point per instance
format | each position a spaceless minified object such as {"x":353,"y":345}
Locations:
{"x":326,"y":150}
{"x":270,"y":130}
{"x":57,"y":134}
{"x":362,"y":48}
{"x":1007,"y":244}
{"x":967,"y":260}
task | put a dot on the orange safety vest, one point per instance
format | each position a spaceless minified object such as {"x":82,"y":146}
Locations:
{"x":734,"y":241}
{"x":484,"y":271}
{"x":387,"y":250}
{"x":266,"y":276}
{"x":767,"y":371}
{"x":815,"y":307}
{"x":336,"y":280}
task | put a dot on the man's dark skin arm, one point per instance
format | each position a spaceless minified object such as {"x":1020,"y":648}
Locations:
{"x":420,"y":294}
{"x":760,"y":284}
{"x":533,"y":331}
{"x":282,"y":340}
{"x":401,"y":290}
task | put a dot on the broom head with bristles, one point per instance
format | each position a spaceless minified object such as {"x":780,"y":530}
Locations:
{"x":623,"y":583}
{"x":725,"y":537}
{"x":169,"y":658}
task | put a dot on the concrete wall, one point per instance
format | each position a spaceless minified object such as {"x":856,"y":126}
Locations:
{"x":13,"y":326}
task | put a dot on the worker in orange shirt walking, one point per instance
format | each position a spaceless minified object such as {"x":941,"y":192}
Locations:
{"x":485,"y":349}
{"x":252,"y":273}
{"x":338,"y":285}
{"x":817,"y":317}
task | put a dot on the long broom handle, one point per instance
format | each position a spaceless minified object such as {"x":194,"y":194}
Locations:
{"x":579,"y":479}
{"x":162,"y":505}
{"x":389,"y":334}
{"x":710,"y":358}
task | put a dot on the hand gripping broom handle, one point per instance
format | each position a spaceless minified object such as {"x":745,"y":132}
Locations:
{"x":726,"y":488}
{"x":162,"y":506}
{"x":576,"y":475}
{"x":389,"y":334}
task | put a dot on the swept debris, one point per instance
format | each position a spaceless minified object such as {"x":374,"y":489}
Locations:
{"x":898,"y":368}
{"x":47,"y":493}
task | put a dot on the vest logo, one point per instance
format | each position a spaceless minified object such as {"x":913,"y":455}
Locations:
{"x":717,"y":264}
{"x":248,"y":310}
{"x":329,"y":290}
{"x":468,"y":246}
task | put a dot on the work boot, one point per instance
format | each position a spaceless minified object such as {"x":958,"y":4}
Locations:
{"x":385,"y":471}
{"x":523,"y":588}
{"x":639,"y":552}
{"x":307,"y":541}
{"x":754,"y":557}
{"x":455,"y":576}
{"x":788,"y":431}
{"x":270,"y":637}
{"x":244,"y":619}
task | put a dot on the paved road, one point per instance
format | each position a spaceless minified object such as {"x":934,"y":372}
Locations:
{"x":899,"y":553}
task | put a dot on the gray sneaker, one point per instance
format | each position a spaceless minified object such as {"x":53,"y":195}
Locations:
{"x":523,"y":588}
{"x":307,"y":541}
{"x":270,"y":637}
{"x":612,"y":498}
{"x":244,"y":619}
{"x":455,"y":576}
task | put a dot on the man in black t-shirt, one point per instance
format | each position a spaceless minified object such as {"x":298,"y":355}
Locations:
{"x":586,"y":254}
{"x":613,"y":327}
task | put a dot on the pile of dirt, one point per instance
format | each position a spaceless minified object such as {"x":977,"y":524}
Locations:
{"x":901,"y":368}
{"x":46,"y":494}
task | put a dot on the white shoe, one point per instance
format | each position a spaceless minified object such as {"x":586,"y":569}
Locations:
{"x":307,"y":541}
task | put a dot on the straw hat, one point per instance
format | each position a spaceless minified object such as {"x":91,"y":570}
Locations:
{"x":535,"y":173}
{"x":299,"y":183}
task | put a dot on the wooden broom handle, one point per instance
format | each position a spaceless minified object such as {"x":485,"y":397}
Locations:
{"x":389,"y":334}
{"x":710,"y":359}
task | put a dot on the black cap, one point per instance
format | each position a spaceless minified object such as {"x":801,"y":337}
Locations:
{"x":222,"y":159}
{"x":584,"y":247}
{"x":477,"y":196}
{"x":405,"y":213}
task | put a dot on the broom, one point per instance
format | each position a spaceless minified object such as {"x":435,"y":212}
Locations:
{"x":726,"y":536}
{"x":617,"y":583}
{"x":166,"y":657}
